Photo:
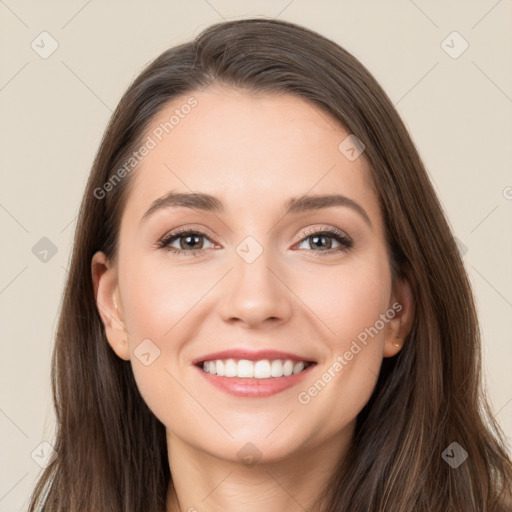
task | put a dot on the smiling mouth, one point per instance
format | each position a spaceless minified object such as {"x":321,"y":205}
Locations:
{"x":262,"y":369}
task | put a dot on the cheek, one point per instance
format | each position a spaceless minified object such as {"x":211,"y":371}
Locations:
{"x":347,"y":299}
{"x":157,"y":295}
{"x":158,"y":303}
{"x":350,"y":302}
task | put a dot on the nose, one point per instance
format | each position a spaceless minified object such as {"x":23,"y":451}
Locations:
{"x":255,"y":294}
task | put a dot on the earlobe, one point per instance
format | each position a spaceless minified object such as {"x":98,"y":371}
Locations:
{"x":400,"y":325}
{"x":108,"y":304}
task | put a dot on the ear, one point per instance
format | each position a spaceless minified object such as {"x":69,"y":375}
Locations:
{"x":108,"y":303}
{"x":402,"y":303}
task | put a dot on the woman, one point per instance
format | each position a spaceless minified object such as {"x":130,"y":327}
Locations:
{"x":266,"y":308}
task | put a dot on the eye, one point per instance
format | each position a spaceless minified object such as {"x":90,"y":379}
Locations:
{"x":323,"y":239}
{"x":189,"y":242}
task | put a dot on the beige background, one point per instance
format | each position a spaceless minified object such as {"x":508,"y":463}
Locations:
{"x":54,"y":111}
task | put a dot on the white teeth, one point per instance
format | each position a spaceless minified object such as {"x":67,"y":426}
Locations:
{"x":246,"y":369}
{"x":276,"y":369}
{"x":298,"y":367}
{"x":288,"y":368}
{"x":262,"y":369}
{"x":219,"y":368}
{"x":230,"y":368}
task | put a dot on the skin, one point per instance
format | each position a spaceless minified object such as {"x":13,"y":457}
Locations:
{"x":253,"y":152}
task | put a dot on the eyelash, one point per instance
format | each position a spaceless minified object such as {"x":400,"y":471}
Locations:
{"x":344,"y":240}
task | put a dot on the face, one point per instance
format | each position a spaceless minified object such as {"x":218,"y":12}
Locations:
{"x":259,"y":273}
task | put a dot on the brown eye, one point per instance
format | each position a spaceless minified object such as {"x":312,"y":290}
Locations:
{"x":189,"y":241}
{"x":324,"y":241}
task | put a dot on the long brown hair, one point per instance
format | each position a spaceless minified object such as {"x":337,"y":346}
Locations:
{"x":112,"y":452}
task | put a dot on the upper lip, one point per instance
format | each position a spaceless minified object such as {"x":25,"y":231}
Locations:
{"x":251,"y":355}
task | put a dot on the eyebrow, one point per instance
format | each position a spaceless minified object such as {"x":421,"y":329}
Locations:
{"x":294,"y":205}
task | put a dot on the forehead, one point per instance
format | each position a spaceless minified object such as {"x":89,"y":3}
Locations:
{"x":247,"y":148}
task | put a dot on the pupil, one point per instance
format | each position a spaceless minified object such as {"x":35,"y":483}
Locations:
{"x":189,"y":237}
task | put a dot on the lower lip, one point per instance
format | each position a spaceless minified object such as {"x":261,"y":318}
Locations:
{"x":255,"y":388}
